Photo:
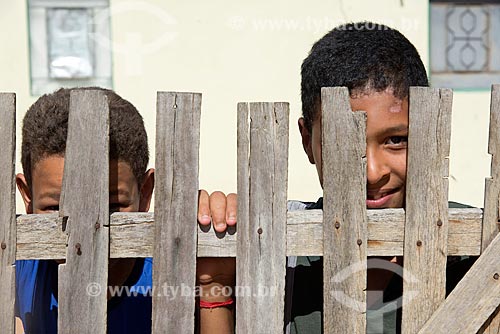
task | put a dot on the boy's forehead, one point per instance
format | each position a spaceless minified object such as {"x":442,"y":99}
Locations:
{"x":385,"y":100}
{"x":396,"y":107}
{"x":49,"y":167}
{"x":48,"y":173}
{"x":369,"y":100}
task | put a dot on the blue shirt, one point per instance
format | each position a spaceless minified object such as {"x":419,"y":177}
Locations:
{"x":36,"y":298}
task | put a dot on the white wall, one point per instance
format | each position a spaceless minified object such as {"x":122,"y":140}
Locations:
{"x":234,"y":51}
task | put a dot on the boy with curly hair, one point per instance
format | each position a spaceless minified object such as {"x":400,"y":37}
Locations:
{"x":44,"y":134}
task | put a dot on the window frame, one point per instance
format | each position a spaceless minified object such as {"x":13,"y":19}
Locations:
{"x":40,"y":80}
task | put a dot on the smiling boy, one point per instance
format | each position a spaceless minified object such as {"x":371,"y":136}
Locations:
{"x":386,"y":141}
{"x":378,"y":65}
{"x":131,"y":185}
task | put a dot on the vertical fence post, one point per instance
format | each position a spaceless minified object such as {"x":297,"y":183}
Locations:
{"x":85,"y":201}
{"x":426,"y":228}
{"x":262,"y":189}
{"x":492,"y":193}
{"x":176,"y":204}
{"x":492,"y":184}
{"x":344,"y":213}
{"x":7,"y":211}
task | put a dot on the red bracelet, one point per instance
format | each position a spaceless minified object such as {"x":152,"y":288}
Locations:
{"x":204,"y":304}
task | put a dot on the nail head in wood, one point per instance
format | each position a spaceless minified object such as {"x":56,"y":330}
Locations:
{"x":4,"y":245}
{"x":337,"y":225}
{"x":359,"y":242}
{"x":496,"y":276}
{"x":177,"y":241}
{"x":97,"y":226}
{"x":419,"y":243}
{"x":439,"y":223}
{"x":259,"y":230}
{"x":78,"y":248}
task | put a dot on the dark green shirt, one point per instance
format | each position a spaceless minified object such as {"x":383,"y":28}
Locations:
{"x":304,"y":291}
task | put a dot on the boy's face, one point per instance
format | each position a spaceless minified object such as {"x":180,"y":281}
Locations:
{"x":47,"y":174}
{"x":386,"y":144}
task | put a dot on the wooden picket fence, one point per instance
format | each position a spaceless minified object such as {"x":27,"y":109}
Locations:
{"x":344,"y":233}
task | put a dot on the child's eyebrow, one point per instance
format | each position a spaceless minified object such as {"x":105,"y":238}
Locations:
{"x":52,"y":195}
{"x":397,"y":129}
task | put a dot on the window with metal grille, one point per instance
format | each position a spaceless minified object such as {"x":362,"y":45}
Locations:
{"x":465,"y":44}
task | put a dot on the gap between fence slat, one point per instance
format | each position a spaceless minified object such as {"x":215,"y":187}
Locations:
{"x":426,"y":228}
{"x":345,"y":219}
{"x":86,"y":168}
{"x":176,"y":199}
{"x":7,"y":211}
{"x":262,"y":186}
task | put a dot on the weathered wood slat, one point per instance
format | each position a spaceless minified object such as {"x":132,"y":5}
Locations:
{"x":492,"y":193}
{"x":473,"y":300}
{"x":345,"y":222}
{"x":426,"y":229}
{"x":492,"y":184}
{"x":88,"y":215}
{"x":132,"y":234}
{"x":7,"y":211}
{"x":261,"y":251}
{"x":176,"y":198}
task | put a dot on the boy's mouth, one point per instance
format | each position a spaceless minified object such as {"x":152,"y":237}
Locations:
{"x":378,"y":199}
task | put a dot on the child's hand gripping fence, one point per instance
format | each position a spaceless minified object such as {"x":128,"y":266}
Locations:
{"x":425,"y":234}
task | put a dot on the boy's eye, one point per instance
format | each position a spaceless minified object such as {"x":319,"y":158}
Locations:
{"x":51,"y":208}
{"x":398,"y":140}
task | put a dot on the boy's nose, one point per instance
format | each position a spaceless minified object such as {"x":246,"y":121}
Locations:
{"x":377,"y":170}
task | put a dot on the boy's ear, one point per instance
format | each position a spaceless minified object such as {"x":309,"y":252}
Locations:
{"x":25,"y":191}
{"x":146,"y":190}
{"x":306,"y":139}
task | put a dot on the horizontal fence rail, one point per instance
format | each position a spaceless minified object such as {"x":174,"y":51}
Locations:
{"x":132,"y":234}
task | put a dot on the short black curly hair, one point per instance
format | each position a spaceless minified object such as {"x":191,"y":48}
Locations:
{"x":363,"y":57}
{"x":45,"y":129}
